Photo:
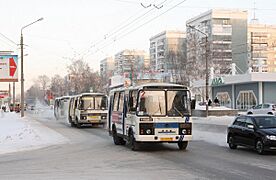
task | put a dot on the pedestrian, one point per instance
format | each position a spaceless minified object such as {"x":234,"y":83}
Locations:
{"x":216,"y":101}
{"x":209,"y":102}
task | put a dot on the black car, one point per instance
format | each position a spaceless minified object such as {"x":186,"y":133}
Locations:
{"x":255,"y":131}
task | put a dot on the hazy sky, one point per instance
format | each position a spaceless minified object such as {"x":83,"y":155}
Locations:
{"x":71,"y":28}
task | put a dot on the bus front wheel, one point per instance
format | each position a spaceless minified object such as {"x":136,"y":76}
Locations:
{"x":182,"y":145}
{"x":133,"y":143}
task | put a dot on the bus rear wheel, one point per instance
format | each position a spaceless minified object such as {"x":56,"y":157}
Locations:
{"x":116,"y":139}
{"x":182,"y":145}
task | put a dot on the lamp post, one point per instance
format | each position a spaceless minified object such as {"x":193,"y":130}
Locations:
{"x":22,"y":72}
{"x":206,"y":66}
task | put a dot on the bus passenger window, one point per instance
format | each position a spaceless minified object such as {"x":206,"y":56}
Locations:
{"x":132,"y":101}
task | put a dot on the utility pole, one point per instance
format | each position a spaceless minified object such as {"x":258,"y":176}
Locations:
{"x":206,"y":67}
{"x":22,"y":104}
{"x":13,"y":95}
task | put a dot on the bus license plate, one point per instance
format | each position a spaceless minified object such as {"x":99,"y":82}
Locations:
{"x":94,"y":117}
{"x":166,"y":139}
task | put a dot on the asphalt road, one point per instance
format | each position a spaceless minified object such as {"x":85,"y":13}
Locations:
{"x":91,"y":154}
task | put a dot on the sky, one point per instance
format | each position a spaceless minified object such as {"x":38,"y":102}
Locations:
{"x":95,"y":29}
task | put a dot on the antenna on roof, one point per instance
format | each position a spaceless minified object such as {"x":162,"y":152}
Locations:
{"x":254,"y":20}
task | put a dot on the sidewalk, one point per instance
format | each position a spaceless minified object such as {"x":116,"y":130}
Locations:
{"x":18,"y":134}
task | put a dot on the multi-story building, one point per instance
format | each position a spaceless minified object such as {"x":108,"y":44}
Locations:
{"x":107,"y":67}
{"x":168,"y":51}
{"x":129,"y":63}
{"x":262,"y":47}
{"x":222,"y":39}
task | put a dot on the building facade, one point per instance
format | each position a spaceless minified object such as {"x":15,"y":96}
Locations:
{"x":221,"y":43}
{"x":262,"y":47}
{"x":107,"y":67}
{"x":245,"y":90}
{"x":168,"y":53}
{"x":129,"y":63}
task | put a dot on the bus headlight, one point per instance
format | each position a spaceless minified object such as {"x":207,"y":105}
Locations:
{"x":83,"y":117}
{"x":184,"y":131}
{"x":148,"y":131}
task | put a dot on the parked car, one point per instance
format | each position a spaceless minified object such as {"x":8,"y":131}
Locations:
{"x":263,"y":109}
{"x":254,"y":131}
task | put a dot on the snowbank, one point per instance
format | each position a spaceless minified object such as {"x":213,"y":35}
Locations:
{"x":216,"y":120}
{"x":17,"y":134}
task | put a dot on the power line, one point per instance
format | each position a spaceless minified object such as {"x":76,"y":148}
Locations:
{"x":8,"y":39}
{"x":143,"y":24}
{"x":122,"y":27}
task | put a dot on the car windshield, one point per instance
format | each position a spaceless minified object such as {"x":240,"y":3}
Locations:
{"x":152,"y":103}
{"x":178,"y":103}
{"x":266,"y":122}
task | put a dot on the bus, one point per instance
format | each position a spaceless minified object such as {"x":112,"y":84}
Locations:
{"x":153,"y":113}
{"x":61,"y":107}
{"x":88,"y":108}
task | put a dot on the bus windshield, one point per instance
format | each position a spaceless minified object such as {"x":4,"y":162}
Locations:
{"x":100,"y":102}
{"x":154,"y":103}
{"x":178,"y":103}
{"x":87,"y":103}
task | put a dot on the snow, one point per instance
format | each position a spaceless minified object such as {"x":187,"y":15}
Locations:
{"x":203,"y":107}
{"x":207,"y":133}
{"x":17,"y":134}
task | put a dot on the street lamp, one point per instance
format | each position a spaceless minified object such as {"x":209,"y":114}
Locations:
{"x":206,"y":61}
{"x":22,"y":74}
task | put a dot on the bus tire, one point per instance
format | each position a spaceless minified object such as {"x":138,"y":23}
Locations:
{"x":78,"y":125}
{"x":116,"y":139}
{"x":132,"y":142}
{"x":182,"y":145}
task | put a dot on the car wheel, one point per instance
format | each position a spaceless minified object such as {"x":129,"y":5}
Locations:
{"x":182,"y":145}
{"x":270,"y":113}
{"x":249,"y":113}
{"x":231,"y":143}
{"x":116,"y":139}
{"x":260,"y":147}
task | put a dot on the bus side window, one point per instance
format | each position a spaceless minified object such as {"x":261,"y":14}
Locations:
{"x":121,"y":102}
{"x":132,"y":101}
{"x":116,"y":100}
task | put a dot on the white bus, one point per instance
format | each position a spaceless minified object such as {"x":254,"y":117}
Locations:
{"x":61,"y":108}
{"x":152,"y":113}
{"x":87,"y":108}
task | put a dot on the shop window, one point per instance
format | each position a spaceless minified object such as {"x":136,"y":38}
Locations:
{"x":224,"y":99}
{"x":245,"y":100}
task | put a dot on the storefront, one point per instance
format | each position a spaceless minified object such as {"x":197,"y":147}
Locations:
{"x":244,"y":91}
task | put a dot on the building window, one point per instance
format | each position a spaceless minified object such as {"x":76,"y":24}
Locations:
{"x":245,"y":100}
{"x":224,"y":99}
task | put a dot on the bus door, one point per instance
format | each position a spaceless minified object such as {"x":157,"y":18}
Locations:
{"x":110,"y":111}
{"x":117,"y":113}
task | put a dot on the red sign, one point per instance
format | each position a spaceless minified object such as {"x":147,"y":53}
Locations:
{"x":12,"y":67}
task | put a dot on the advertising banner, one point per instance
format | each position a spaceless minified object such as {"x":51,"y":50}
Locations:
{"x":8,"y":68}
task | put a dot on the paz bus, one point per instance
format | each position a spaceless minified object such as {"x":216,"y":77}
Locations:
{"x":153,"y":113}
{"x":87,"y":108}
{"x":61,"y":107}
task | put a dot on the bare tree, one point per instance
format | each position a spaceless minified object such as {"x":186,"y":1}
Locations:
{"x":82,"y":78}
{"x":58,"y":86}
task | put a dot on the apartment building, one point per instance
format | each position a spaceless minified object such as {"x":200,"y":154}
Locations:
{"x":167,"y":50}
{"x":129,"y":63}
{"x":226,"y":33}
{"x":262,"y":47}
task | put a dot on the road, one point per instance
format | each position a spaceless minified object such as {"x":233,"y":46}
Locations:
{"x":91,"y":154}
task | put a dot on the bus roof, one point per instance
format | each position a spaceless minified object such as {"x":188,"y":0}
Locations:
{"x":152,"y":85}
{"x":91,"y":94}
